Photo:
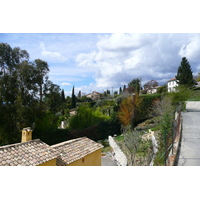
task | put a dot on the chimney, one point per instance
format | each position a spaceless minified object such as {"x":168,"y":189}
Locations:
{"x":26,"y":134}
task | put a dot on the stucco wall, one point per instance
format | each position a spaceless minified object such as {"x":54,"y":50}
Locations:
{"x":49,"y":163}
{"x":93,"y":159}
{"x":119,"y":155}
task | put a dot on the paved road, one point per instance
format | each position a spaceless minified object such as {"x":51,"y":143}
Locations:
{"x":190,"y":145}
{"x":108,"y":160}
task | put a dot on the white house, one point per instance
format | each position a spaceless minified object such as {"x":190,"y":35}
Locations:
{"x":152,"y":90}
{"x":171,"y":84}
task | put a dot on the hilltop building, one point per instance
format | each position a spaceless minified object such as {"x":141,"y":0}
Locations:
{"x":94,"y":95}
{"x":171,"y":85}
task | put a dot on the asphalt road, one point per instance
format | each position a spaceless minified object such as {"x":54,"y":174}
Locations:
{"x":108,"y":160}
{"x":190,"y":144}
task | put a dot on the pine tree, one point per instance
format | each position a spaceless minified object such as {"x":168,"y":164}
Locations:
{"x":184,"y":74}
{"x":73,"y":99}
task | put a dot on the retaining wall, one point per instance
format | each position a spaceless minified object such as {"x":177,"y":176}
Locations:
{"x":119,"y":155}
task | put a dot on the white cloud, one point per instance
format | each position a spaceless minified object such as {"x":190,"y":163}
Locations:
{"x":53,"y":56}
{"x":192,"y":49}
{"x":119,"y":58}
{"x":65,"y":83}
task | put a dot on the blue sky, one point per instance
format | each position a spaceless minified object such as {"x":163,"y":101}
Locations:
{"x":105,"y":61}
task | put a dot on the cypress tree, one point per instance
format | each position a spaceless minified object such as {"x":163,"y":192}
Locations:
{"x":63,"y":96}
{"x":79,"y":94}
{"x":184,"y":74}
{"x":120,"y":90}
{"x":73,"y":99}
{"x":124,"y":88}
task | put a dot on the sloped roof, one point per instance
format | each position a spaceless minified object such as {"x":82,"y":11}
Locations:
{"x":173,"y":79}
{"x":75,"y":149}
{"x":94,"y":93}
{"x":31,"y":153}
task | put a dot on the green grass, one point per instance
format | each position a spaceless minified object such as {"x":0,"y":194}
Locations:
{"x":195,"y":95}
{"x":119,"y":138}
{"x":194,"y":99}
{"x":156,"y":128}
{"x":106,"y":149}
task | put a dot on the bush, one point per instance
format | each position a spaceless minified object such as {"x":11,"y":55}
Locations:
{"x":145,"y":107}
{"x":180,"y":96}
{"x":110,"y":127}
{"x":86,"y":117}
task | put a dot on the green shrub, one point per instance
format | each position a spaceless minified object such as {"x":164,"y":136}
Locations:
{"x":145,"y":107}
{"x":86,"y":117}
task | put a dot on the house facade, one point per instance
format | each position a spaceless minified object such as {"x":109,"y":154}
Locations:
{"x":152,"y":90}
{"x":94,"y":95}
{"x":171,"y":85}
{"x":77,"y":152}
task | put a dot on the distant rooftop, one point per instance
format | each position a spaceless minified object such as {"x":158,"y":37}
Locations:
{"x":173,"y":79}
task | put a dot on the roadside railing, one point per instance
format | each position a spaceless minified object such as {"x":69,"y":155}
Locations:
{"x":172,"y":150}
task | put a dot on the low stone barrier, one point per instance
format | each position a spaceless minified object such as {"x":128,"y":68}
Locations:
{"x":193,"y":105}
{"x":119,"y":155}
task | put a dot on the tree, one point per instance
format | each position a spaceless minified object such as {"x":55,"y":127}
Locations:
{"x":120,"y":91}
{"x":79,"y":94}
{"x":24,"y":87}
{"x":162,"y":89}
{"x":124,"y":88}
{"x":86,"y":117}
{"x":53,"y":97}
{"x":138,"y":147}
{"x":41,"y":71}
{"x":128,"y":110}
{"x":73,"y":103}
{"x":135,"y":83}
{"x":184,"y":74}
{"x":63,"y":96}
{"x":150,"y":85}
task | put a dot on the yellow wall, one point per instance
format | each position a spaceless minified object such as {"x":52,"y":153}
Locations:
{"x":26,"y":136}
{"x":93,"y":159}
{"x":49,"y":163}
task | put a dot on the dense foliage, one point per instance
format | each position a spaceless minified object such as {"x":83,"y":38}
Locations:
{"x":86,"y":117}
{"x":27,"y":96}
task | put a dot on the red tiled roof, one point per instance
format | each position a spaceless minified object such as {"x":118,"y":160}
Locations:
{"x":173,"y":79}
{"x":31,"y":153}
{"x":75,"y":149}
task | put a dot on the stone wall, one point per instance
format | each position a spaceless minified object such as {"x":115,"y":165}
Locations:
{"x":118,"y":154}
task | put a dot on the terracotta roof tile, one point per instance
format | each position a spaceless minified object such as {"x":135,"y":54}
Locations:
{"x":75,"y":149}
{"x":34,"y":152}
{"x":173,"y":79}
